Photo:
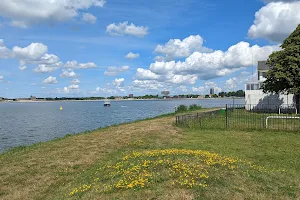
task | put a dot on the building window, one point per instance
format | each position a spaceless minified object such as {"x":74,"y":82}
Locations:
{"x":253,"y":86}
{"x":262,"y":76}
{"x":248,"y":87}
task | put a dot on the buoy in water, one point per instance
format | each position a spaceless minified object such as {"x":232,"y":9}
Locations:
{"x":60,"y":108}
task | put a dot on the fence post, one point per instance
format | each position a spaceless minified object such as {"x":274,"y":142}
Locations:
{"x":201,"y":122}
{"x":226,"y":116}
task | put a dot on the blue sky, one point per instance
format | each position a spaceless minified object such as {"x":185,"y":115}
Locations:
{"x":79,"y":47}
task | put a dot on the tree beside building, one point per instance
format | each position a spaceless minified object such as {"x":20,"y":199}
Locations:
{"x":284,"y":73}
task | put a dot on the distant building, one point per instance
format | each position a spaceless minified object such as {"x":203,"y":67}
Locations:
{"x":22,"y":99}
{"x":118,"y":98}
{"x":165,"y":93}
{"x":255,"y":97}
{"x":160,"y":97}
{"x":32,"y":98}
{"x":130,"y":95}
{"x":212,"y":91}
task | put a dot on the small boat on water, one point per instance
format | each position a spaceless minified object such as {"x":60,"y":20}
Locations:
{"x":107,"y":103}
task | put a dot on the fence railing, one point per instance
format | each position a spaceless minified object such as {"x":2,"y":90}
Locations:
{"x":237,"y":116}
{"x":201,"y":119}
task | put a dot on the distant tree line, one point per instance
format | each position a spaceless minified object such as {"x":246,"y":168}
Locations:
{"x":70,"y":98}
{"x":239,"y":93}
{"x":188,"y":96}
{"x":147,"y":96}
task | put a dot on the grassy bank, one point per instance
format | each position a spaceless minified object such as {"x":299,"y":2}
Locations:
{"x":153,"y":159}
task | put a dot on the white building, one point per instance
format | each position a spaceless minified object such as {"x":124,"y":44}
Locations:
{"x":255,"y":98}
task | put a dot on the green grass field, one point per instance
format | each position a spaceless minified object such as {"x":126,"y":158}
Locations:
{"x":154,"y":159}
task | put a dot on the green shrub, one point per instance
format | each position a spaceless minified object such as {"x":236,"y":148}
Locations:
{"x":182,"y":108}
{"x":195,"y":107}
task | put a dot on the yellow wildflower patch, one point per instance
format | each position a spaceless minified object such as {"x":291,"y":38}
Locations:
{"x":174,"y":167}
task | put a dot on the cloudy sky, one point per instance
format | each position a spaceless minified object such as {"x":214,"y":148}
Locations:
{"x":55,"y":48}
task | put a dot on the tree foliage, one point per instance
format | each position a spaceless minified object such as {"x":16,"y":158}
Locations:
{"x":284,"y":75}
{"x":239,"y":93}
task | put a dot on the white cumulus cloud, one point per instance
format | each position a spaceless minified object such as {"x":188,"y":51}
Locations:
{"x":206,"y":88}
{"x":24,"y":13}
{"x":124,"y":28}
{"x":132,"y":56}
{"x":50,"y":80}
{"x":71,"y":88}
{"x":46,"y":68}
{"x":231,"y":84}
{"x":68,"y":74}
{"x":176,"y":48}
{"x":145,"y":85}
{"x":75,"y":65}
{"x":1,"y":78}
{"x":75,"y":81}
{"x":145,"y":74}
{"x":4,"y":51}
{"x":105,"y":91}
{"x":202,"y":66}
{"x":276,"y":21}
{"x":36,"y":53}
{"x":182,"y":79}
{"x":74,"y":88}
{"x":269,"y":1}
{"x":206,"y":66}
{"x":119,"y":82}
{"x":182,"y":88}
{"x":200,"y":89}
{"x":163,"y":72}
{"x":114,"y":71}
{"x":238,"y":82}
{"x":89,"y":18}
{"x":47,"y":59}
{"x":115,"y":88}
{"x":31,"y":52}
{"x":22,"y":68}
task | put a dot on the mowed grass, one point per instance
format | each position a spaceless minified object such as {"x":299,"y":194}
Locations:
{"x":154,"y":159}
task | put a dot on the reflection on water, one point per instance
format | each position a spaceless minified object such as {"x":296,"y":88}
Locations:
{"x":28,"y":123}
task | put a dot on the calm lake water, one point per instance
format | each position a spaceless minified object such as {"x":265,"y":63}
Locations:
{"x":29,"y":123}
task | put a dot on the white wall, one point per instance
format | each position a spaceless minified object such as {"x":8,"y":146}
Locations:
{"x":256,"y":97}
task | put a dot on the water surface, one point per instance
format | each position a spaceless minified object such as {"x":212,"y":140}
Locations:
{"x":29,"y":123}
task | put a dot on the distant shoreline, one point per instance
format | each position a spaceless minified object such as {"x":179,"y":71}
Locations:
{"x":102,"y":100}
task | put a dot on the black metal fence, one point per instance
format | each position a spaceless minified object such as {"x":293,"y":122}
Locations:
{"x":240,"y":116}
